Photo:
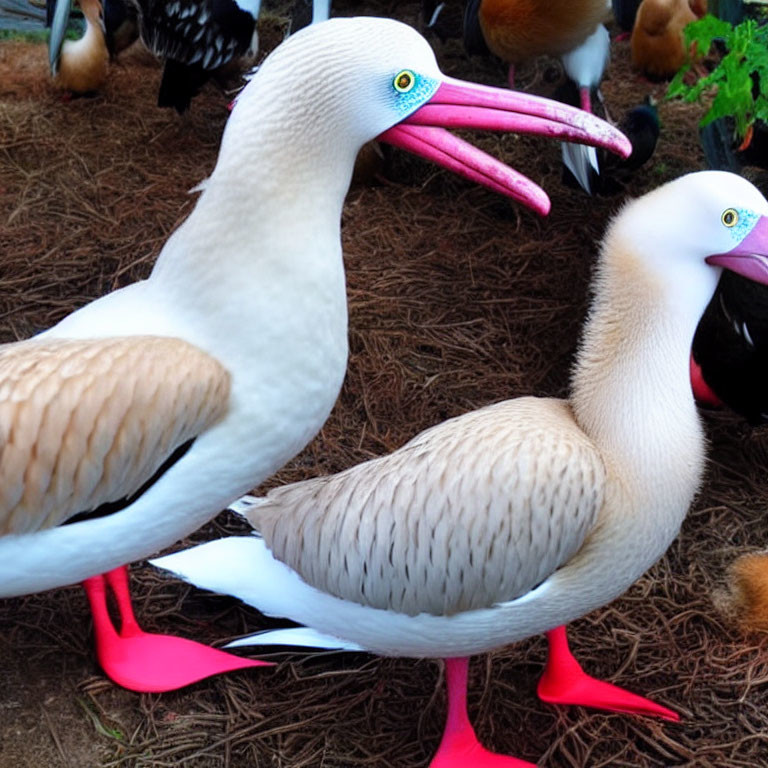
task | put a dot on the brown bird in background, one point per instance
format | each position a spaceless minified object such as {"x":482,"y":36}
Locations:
{"x":658,"y":48}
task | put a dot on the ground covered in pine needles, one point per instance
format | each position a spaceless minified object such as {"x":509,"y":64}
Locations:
{"x":457,"y":298}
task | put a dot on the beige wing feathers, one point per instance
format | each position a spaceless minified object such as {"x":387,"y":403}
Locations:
{"x":83,"y":423}
{"x":475,"y":511}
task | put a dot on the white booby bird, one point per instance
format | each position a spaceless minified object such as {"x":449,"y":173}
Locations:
{"x":519,"y":517}
{"x":138,"y":417}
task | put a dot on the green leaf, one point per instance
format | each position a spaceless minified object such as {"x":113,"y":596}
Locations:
{"x":704,"y":31}
{"x":732,"y":79}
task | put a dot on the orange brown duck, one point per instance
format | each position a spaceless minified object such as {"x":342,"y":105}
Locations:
{"x":658,"y":49}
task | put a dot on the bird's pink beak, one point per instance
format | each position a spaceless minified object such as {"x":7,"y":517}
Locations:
{"x":750,"y":257}
{"x":457,"y":104}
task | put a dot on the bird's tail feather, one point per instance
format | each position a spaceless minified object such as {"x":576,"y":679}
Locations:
{"x":581,"y":161}
{"x":245,"y":503}
{"x":296,"y":637}
{"x":243,"y":567}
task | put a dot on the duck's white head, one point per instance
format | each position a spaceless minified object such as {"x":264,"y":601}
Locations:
{"x":334,"y":86}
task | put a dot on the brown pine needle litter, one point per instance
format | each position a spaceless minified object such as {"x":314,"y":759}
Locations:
{"x":457,"y":298}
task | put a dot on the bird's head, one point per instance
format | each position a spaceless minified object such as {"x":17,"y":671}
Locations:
{"x":350,"y":80}
{"x":698,"y":221}
{"x":741,"y":214}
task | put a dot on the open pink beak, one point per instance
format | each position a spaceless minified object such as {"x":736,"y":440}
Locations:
{"x":457,"y":104}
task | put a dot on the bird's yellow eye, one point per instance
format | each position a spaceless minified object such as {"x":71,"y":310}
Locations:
{"x":404,"y":81}
{"x":730,"y":217}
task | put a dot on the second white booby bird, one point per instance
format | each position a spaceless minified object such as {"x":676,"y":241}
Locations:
{"x":522,"y":516}
{"x":137,"y":418}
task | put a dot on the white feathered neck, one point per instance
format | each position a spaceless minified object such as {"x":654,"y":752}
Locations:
{"x":631,"y":390}
{"x":287,"y":156}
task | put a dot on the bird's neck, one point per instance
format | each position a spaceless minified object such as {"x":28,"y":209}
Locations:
{"x":272,"y":206}
{"x":268,"y":216}
{"x":631,"y":390}
{"x":87,"y":56}
{"x":94,"y":30}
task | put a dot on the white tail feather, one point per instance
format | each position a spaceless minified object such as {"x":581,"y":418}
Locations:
{"x":578,"y":159}
{"x":246,"y":503}
{"x":243,"y":567}
{"x":297,"y":637}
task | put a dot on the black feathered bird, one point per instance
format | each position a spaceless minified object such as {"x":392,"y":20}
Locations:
{"x":194,"y":37}
{"x":731,"y":347}
{"x":640,"y":125}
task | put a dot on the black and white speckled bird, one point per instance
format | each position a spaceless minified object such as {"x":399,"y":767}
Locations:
{"x":193,"y":37}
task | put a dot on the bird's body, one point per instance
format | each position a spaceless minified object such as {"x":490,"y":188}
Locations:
{"x":478,"y":511}
{"x":731,"y":347}
{"x":641,"y":125}
{"x":528,"y":492}
{"x":141,"y":415}
{"x":525,"y":515}
{"x":658,"y":48}
{"x":271,"y":409}
{"x":747,"y":597}
{"x":585,"y":64}
{"x":83,"y":63}
{"x":121,"y":25}
{"x":194,"y":38}
{"x":517,"y":30}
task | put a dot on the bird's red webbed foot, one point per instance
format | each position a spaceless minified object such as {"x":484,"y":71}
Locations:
{"x":565,"y":682}
{"x":146,"y":662}
{"x":459,"y":747}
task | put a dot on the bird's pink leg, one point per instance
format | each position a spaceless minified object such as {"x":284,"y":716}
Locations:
{"x":511,"y":76}
{"x":143,"y":661}
{"x":118,"y":583}
{"x":459,"y":747}
{"x":586,"y":100}
{"x":565,"y":682}
{"x":96,"y":590}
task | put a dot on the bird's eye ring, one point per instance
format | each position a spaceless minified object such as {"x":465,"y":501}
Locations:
{"x":404,"y":81}
{"x":730,"y":217}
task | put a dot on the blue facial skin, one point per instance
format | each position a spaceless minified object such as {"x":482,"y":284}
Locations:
{"x":423,"y":89}
{"x":747,"y":220}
